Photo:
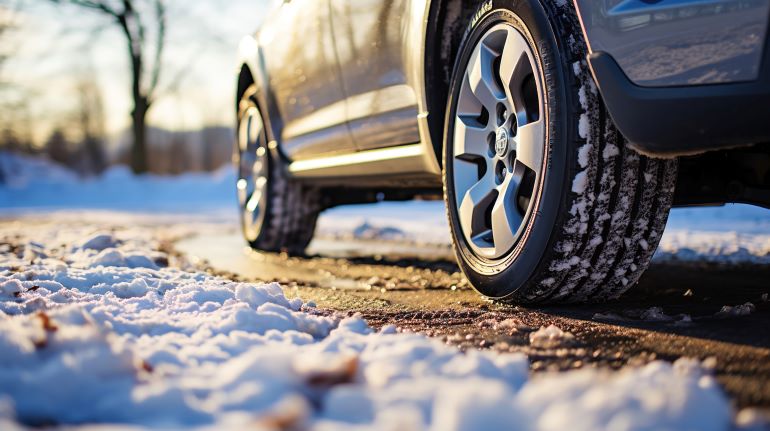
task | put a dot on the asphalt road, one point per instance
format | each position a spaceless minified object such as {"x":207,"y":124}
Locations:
{"x":673,"y":312}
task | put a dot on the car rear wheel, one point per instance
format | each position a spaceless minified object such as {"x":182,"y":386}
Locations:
{"x":545,"y":200}
{"x":277,"y":214}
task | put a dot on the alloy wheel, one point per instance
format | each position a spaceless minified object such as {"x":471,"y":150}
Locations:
{"x":499,"y":141}
{"x":252,"y":172}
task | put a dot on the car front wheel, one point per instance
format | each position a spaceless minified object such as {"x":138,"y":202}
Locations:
{"x":545,"y":200}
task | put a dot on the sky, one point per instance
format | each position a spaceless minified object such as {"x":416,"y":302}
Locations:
{"x":56,"y":46}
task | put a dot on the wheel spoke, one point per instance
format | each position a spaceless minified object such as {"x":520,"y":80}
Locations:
{"x":243,"y":135}
{"x":530,"y":141}
{"x":513,"y":62}
{"x":474,"y":206}
{"x":499,"y":135}
{"x":482,"y":79}
{"x":506,"y":218}
{"x":470,"y":139}
{"x":252,"y":205}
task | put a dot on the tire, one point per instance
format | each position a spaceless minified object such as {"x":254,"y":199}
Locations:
{"x":283,"y":214}
{"x":591,"y":213}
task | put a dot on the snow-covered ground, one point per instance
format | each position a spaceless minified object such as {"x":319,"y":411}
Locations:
{"x":729,"y":234}
{"x":98,"y":325}
{"x":34,"y":185}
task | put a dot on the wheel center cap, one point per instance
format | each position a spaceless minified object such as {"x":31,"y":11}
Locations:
{"x":501,"y":141}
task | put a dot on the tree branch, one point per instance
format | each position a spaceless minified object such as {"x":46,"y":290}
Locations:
{"x":160,"y":15}
{"x":98,"y":5}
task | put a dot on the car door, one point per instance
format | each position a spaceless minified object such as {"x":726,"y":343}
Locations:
{"x":301,"y":64}
{"x":382,"y":107}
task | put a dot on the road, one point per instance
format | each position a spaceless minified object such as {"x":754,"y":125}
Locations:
{"x":673,"y":312}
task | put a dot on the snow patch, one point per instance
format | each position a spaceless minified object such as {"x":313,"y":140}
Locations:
{"x":610,"y":151}
{"x":99,"y":242}
{"x":584,"y":155}
{"x":737,"y":310}
{"x":584,"y":126}
{"x":550,"y":337}
{"x":580,"y":182}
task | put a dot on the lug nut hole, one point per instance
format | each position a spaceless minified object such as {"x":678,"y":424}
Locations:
{"x":502,"y":114}
{"x":500,"y":171}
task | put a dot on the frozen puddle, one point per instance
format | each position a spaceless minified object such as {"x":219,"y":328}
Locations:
{"x":101,"y":332}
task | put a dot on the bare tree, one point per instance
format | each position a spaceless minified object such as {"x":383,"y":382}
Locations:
{"x":136,"y":19}
{"x":58,"y":148}
{"x":91,"y":120}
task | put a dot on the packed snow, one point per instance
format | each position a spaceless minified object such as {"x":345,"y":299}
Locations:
{"x":97,"y":328}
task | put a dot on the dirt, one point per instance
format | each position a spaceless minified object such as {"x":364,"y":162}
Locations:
{"x":674,"y":311}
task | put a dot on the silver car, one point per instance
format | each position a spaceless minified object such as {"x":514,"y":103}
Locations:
{"x":558,"y":132}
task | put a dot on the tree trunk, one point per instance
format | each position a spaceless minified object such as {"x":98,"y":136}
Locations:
{"x":139,"y":146}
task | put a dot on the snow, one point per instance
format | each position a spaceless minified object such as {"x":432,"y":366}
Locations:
{"x":162,"y":346}
{"x":733,"y":234}
{"x":737,"y":310}
{"x":550,"y":337}
{"x":584,"y":155}
{"x":34,"y":184}
{"x":580,"y":182}
{"x":98,"y":325}
{"x":584,"y":127}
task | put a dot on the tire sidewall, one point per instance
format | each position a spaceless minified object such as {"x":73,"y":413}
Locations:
{"x":501,"y":278}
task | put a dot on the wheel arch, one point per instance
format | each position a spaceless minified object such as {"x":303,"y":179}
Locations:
{"x":252,"y":71}
{"x":446,"y":24}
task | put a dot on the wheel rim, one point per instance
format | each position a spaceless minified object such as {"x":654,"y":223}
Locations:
{"x":252,"y":172}
{"x":498,"y":141}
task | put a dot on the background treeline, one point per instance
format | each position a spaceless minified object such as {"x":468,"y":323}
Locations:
{"x":169,"y":152}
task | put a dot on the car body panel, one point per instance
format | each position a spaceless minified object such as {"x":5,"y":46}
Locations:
{"x":382,"y":106}
{"x":304,"y":79}
{"x":679,"y":42}
{"x":349,"y":77}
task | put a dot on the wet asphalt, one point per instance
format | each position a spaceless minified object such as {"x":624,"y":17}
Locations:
{"x":676,"y":309}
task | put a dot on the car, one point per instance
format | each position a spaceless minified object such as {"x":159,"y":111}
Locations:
{"x":559,"y":133}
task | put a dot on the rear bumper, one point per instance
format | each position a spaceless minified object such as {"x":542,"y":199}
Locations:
{"x":671,"y":121}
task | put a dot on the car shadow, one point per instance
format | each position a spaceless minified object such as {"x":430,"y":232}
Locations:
{"x":690,"y":299}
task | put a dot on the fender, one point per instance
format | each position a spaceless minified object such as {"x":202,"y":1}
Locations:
{"x":251,"y":66}
{"x":415,"y":49}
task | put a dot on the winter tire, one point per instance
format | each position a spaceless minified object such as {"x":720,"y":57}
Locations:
{"x":277,"y":214}
{"x":545,"y":199}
